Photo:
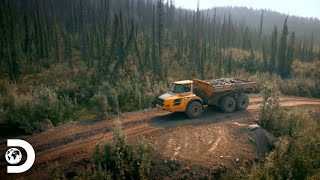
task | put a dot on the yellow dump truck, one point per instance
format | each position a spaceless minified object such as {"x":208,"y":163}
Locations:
{"x":190,"y":96}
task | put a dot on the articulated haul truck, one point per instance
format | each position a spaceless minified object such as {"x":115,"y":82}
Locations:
{"x":191,"y":96}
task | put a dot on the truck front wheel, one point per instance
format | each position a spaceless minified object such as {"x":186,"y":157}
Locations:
{"x":194,"y":109}
{"x":228,"y":104}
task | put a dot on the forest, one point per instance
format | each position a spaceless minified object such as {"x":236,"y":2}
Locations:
{"x":104,"y":34}
{"x":76,"y":60}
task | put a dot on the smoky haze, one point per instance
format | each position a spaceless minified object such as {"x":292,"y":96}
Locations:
{"x":307,"y":8}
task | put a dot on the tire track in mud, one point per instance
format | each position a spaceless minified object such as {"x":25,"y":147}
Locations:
{"x":133,"y":131}
{"x":88,"y":144}
{"x":81,"y":144}
{"x":55,"y":142}
{"x":216,"y":142}
{"x":86,"y":148}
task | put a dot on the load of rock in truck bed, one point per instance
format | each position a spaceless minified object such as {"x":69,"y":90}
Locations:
{"x":225,"y":81}
{"x":212,"y":87}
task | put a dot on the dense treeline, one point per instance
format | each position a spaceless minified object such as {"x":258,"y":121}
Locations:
{"x":105,"y":34}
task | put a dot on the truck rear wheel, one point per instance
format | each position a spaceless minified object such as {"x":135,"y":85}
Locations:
{"x":194,"y":109}
{"x":228,"y":104}
{"x":242,"y":102}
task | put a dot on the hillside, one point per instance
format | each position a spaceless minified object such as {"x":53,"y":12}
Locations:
{"x":304,"y":27}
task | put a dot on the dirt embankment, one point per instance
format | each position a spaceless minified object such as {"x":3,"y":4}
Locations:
{"x":214,"y":140}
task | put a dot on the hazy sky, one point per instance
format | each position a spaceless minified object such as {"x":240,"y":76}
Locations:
{"x":305,"y":8}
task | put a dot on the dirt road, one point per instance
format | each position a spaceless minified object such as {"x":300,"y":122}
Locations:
{"x":213,"y":140}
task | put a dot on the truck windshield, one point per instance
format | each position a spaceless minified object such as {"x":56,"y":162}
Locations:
{"x":180,"y":88}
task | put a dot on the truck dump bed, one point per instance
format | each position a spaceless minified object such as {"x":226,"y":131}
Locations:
{"x":213,"y":89}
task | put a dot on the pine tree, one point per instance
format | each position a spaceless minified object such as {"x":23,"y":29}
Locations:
{"x":265,"y":59}
{"x":154,"y":58}
{"x":67,"y":48}
{"x":304,"y":50}
{"x":160,"y":36}
{"x":56,"y":43}
{"x":273,"y":55}
{"x":282,"y":51}
{"x":13,"y":52}
{"x":219,"y":72}
{"x":310,"y":51}
{"x":229,"y":65}
{"x":290,"y":54}
{"x":297,"y":53}
{"x":26,"y":44}
{"x":246,"y":43}
{"x":261,"y":25}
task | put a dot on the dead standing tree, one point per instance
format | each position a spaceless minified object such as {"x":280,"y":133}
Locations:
{"x":160,"y":38}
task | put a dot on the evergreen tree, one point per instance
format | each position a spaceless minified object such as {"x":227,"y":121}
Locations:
{"x":310,"y":51}
{"x":160,"y":36}
{"x":261,"y":25}
{"x":246,"y":43}
{"x":290,"y":54}
{"x":273,"y":56}
{"x":250,"y":63}
{"x":154,"y":58}
{"x":12,"y":49}
{"x":282,"y":51}
{"x":265,"y":59}
{"x":229,"y":65}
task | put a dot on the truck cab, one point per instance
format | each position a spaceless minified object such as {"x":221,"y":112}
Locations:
{"x":179,"y":98}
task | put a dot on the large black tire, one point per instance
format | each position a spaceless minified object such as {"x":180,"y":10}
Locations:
{"x":194,"y":109}
{"x":200,"y":93}
{"x":242,"y":102}
{"x":228,"y":104}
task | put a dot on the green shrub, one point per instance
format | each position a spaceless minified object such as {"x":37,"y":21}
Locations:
{"x":55,"y":171}
{"x":250,"y":63}
{"x":120,"y":160}
{"x":296,"y":154}
{"x":93,"y":172}
{"x":100,"y":101}
{"x":269,"y":111}
{"x":34,"y":112}
{"x":127,"y":95}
